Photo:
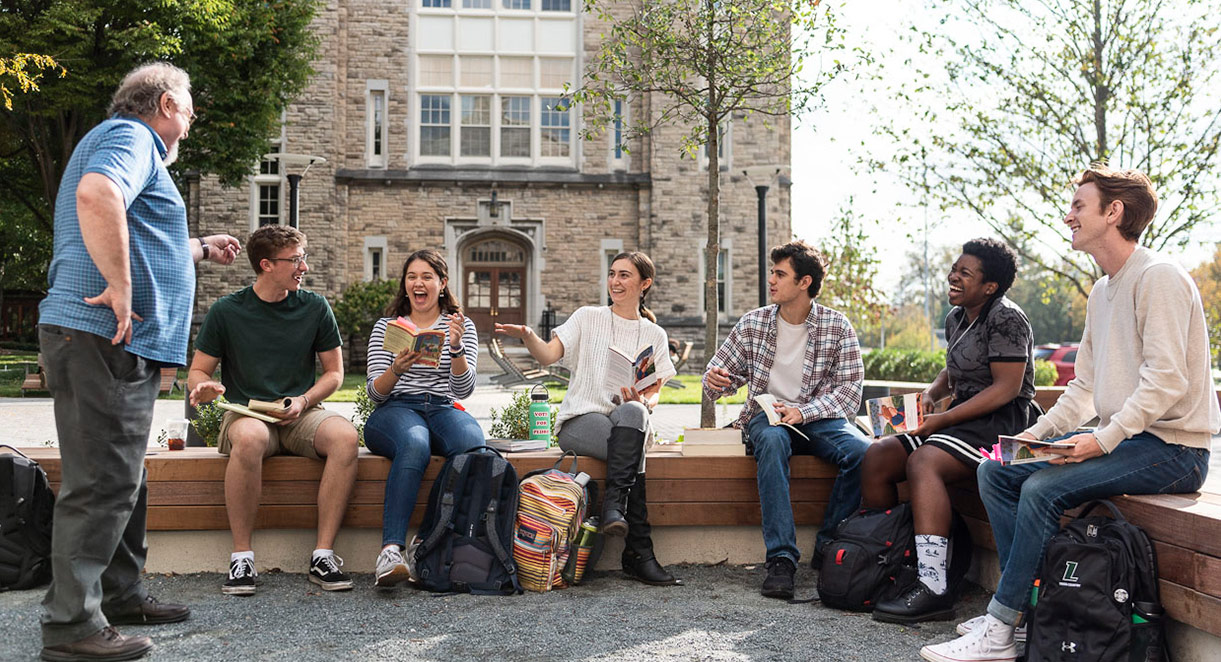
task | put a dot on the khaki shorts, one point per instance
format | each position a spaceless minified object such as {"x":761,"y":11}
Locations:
{"x":296,"y":438}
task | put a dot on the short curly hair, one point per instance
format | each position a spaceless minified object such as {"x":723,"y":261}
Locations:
{"x":998,"y":259}
{"x":806,"y":261}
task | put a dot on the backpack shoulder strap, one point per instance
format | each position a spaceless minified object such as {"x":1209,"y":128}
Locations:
{"x":457,"y":469}
{"x":489,"y":520}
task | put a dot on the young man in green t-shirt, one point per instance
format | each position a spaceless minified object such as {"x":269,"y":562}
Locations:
{"x":267,"y":336}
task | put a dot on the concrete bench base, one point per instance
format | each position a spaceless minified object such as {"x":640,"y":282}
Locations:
{"x":208,"y":551}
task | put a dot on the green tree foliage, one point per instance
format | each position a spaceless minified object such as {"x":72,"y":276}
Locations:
{"x":698,"y":63}
{"x":361,"y":304}
{"x":1208,"y":279}
{"x":852,"y":268}
{"x":922,"y":365}
{"x":1012,"y":99}
{"x":246,"y":60}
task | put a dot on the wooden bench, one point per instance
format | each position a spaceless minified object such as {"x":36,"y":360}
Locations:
{"x":513,"y":374}
{"x":186,"y":493}
{"x":36,"y":380}
{"x":169,"y":380}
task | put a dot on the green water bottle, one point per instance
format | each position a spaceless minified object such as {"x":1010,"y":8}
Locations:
{"x":540,"y":413}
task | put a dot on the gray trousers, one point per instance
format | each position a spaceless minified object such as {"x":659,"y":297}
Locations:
{"x":587,"y":434}
{"x":103,"y":411}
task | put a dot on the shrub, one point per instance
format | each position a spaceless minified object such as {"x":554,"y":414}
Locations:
{"x":207,"y":422}
{"x":364,"y":407}
{"x":904,"y":365}
{"x":513,"y":421}
{"x":361,"y":305}
{"x":1044,"y":373}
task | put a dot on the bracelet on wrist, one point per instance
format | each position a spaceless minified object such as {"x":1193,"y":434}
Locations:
{"x":203,"y":245}
{"x":306,"y":398}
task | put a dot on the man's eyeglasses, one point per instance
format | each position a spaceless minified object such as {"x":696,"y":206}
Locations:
{"x":296,"y":259}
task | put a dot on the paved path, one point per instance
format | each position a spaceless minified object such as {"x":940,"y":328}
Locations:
{"x":718,"y":616}
{"x":31,"y":421}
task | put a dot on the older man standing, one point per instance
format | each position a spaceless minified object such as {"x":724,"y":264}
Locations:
{"x":118,"y":309}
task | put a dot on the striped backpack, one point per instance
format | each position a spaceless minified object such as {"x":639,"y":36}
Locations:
{"x":551,"y":506}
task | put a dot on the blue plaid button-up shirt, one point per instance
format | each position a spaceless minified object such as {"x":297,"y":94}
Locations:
{"x":130,"y":154}
{"x":831,"y":375}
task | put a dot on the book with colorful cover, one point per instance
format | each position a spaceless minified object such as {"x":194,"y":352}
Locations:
{"x":403,"y":334}
{"x":895,"y":414}
{"x":1017,"y":450}
{"x":622,"y":369}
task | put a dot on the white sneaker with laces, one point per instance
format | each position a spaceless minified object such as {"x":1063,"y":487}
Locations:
{"x":391,"y":568}
{"x":965,"y":627}
{"x":990,"y":641}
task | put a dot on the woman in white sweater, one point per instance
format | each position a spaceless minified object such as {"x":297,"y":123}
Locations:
{"x":610,"y":421}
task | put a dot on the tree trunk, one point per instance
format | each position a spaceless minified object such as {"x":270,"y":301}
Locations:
{"x":707,"y":406}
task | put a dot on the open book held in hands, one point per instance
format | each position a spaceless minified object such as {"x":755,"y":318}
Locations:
{"x":767,"y":402}
{"x":246,"y":411}
{"x":403,"y":334}
{"x":895,"y":414}
{"x":1016,"y":450}
{"x":623,"y":370}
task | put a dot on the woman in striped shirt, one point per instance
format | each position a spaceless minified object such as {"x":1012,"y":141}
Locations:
{"x":416,"y":415}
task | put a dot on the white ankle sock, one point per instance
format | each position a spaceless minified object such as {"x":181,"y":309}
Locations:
{"x":931,"y":554}
{"x":322,"y":552}
{"x":241,"y":555}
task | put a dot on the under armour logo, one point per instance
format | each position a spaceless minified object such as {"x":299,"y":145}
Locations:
{"x":1068,"y":647}
{"x":1070,"y":571}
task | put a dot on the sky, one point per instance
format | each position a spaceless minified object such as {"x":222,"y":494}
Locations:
{"x":828,"y":142}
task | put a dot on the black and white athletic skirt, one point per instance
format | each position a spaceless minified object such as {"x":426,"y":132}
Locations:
{"x":965,"y":439}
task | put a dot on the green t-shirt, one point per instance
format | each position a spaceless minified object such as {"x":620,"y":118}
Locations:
{"x":267,"y":350}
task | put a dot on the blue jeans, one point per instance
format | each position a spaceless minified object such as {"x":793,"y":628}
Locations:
{"x":835,"y":440}
{"x":1025,"y":502}
{"x":408,"y":429}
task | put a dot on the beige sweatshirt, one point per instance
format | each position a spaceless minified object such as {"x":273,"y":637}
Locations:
{"x":1144,"y":360}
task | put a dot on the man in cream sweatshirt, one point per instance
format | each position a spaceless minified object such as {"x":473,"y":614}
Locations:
{"x":1143,"y":369}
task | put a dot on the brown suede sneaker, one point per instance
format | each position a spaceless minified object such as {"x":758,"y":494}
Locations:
{"x":105,"y":645}
{"x":151,"y":611}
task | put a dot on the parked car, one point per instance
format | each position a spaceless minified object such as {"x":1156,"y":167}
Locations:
{"x":1061,"y":355}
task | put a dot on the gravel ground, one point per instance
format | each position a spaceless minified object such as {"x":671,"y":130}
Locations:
{"x":719,"y":615}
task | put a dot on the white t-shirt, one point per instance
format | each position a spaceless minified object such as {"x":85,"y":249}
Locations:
{"x":784,"y":382}
{"x":587,"y":336}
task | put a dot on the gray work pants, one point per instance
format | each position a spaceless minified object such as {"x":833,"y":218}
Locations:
{"x":104,"y":399}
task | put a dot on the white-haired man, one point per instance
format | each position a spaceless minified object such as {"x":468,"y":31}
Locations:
{"x":118,"y":309}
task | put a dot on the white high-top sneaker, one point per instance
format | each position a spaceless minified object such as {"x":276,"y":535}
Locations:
{"x":991,"y":641}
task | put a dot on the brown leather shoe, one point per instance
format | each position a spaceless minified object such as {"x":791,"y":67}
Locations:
{"x":150,"y":611}
{"x":105,"y":645}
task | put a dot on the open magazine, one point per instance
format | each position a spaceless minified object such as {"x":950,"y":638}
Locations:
{"x":895,"y":414}
{"x":1016,"y":450}
{"x":767,"y":402}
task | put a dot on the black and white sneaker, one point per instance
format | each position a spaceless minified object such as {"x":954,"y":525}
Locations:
{"x":242,"y":578}
{"x":324,"y":571}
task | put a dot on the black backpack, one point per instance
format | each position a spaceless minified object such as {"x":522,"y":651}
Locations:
{"x":466,"y":539}
{"x":872,"y":558}
{"x":26,"y":506}
{"x":1097,"y":597}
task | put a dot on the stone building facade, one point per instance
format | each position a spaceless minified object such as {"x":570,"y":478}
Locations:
{"x":440,"y":129}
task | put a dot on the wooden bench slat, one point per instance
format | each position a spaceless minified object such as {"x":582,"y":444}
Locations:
{"x":1192,"y":607}
{"x":1189,"y":568}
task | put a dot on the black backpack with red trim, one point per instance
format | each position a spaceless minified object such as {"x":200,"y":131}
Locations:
{"x":873,"y":558}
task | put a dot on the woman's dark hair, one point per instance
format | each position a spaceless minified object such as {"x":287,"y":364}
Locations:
{"x":998,"y":259}
{"x":806,"y":261}
{"x":400,"y":305}
{"x":646,"y":270}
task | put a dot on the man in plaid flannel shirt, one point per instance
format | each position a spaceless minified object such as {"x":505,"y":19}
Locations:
{"x":807,"y":357}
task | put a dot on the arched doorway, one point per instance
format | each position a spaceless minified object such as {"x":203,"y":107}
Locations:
{"x":494,"y":279}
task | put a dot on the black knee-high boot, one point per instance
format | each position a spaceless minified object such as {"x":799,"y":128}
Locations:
{"x":638,"y":559}
{"x":623,"y":451}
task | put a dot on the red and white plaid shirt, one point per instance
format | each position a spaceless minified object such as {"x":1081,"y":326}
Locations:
{"x":830,"y":377}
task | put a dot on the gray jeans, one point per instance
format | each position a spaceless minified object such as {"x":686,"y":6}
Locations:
{"x":103,"y":411}
{"x":587,"y":434}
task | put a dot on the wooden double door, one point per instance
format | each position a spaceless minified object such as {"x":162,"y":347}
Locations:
{"x":494,"y":294}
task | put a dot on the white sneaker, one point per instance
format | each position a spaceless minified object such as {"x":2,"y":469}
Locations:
{"x":391,"y":568}
{"x":982,"y":644}
{"x":965,"y":627}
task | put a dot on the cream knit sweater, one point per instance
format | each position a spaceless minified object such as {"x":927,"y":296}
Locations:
{"x":1144,"y":360}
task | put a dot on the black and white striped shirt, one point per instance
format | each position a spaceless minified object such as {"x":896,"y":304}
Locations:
{"x":422,"y":379}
